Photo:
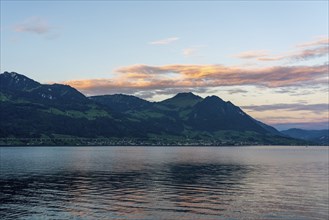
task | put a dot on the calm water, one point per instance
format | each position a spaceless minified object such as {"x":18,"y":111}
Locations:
{"x":164,"y":183}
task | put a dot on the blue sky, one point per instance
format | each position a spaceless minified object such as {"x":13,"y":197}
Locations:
{"x":144,"y":48}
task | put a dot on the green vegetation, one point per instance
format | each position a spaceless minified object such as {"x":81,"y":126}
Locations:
{"x":90,"y":114}
{"x":3,"y":97}
{"x":35,"y":114}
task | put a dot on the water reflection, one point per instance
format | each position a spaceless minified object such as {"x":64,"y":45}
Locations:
{"x":118,"y":184}
{"x":195,"y":188}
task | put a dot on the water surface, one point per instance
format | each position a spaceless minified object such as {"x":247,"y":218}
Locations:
{"x":164,"y":182}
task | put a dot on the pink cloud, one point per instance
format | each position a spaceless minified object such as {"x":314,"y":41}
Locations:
{"x":318,"y":48}
{"x":321,"y":41}
{"x":253,"y":54}
{"x":135,"y":78}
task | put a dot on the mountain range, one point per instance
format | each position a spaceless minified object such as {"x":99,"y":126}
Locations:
{"x":41,"y":114}
{"x":315,"y":136}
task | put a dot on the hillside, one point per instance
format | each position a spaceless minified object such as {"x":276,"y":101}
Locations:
{"x":316,"y":136}
{"x":38,"y":114}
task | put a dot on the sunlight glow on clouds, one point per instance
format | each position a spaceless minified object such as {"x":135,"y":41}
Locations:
{"x":256,"y":83}
{"x":143,"y":77}
{"x":262,"y":56}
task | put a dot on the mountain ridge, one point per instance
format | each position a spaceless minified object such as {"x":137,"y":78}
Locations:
{"x":34,"y":110}
{"x":315,"y":136}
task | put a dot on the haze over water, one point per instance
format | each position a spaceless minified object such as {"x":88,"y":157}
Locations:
{"x":164,"y":183}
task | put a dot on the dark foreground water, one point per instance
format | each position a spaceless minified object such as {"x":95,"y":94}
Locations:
{"x":164,"y":183}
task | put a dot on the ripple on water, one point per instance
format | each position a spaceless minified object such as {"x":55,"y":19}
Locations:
{"x":170,"y":183}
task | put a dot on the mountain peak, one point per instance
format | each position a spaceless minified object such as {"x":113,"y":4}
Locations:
{"x":12,"y":74}
{"x":213,"y":99}
{"x":16,"y":81}
{"x":186,"y":95}
{"x":182,"y":100}
{"x":31,"y":109}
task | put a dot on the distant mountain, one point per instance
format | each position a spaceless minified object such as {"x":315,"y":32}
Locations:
{"x":59,"y":114}
{"x":315,"y":136}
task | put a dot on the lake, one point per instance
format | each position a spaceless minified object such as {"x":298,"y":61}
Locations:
{"x":164,"y":182}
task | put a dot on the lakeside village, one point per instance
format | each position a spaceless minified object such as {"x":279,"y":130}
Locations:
{"x":120,"y":142}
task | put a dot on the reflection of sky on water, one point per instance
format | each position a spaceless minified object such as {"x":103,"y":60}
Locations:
{"x":173,"y":182}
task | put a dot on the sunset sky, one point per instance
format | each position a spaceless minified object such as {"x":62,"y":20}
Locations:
{"x":269,"y":58}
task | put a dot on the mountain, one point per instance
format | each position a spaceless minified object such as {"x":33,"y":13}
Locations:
{"x":181,"y":100}
{"x":34,"y":113}
{"x":17,"y":86}
{"x":121,"y":102}
{"x":213,"y":114}
{"x":18,"y":82}
{"x":315,"y":136}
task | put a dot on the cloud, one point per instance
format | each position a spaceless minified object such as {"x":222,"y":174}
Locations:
{"x":136,"y":78}
{"x":319,"y":48}
{"x":189,"y":51}
{"x":310,"y":53}
{"x":294,"y":91}
{"x":236,"y":91}
{"x":220,"y":75}
{"x":168,"y":91}
{"x":164,"y":41}
{"x":321,"y":41}
{"x":316,"y":108}
{"x":34,"y":25}
{"x":286,"y":122}
{"x":253,"y":54}
{"x":305,"y":54}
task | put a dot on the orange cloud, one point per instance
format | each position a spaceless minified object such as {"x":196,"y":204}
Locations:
{"x":136,"y":78}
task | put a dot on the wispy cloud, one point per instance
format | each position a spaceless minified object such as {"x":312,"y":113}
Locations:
{"x":253,"y":54}
{"x":34,"y":25}
{"x":131,"y":79}
{"x":236,"y":91}
{"x":164,"y":41}
{"x":316,"y":108}
{"x":310,"y":53}
{"x":191,"y":51}
{"x":306,"y":51}
{"x":321,"y":41}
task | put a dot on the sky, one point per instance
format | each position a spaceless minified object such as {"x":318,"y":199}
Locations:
{"x":268,"y":57}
